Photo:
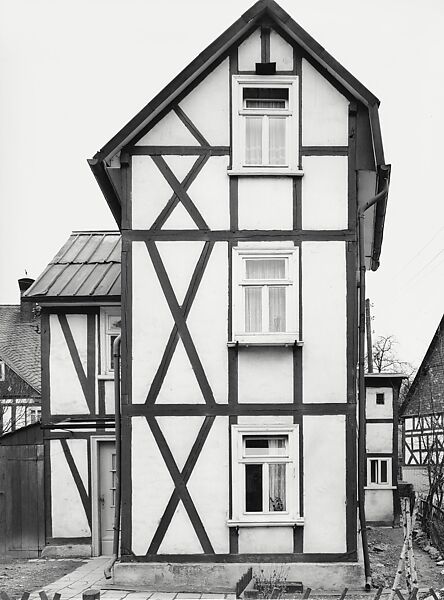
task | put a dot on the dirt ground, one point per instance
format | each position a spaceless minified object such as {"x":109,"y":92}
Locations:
{"x":385,"y":545}
{"x":18,"y":575}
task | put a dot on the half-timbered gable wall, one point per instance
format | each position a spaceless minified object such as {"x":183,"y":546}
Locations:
{"x":192,"y":382}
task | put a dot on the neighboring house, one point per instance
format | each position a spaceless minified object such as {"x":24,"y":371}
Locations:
{"x":79,"y":296}
{"x":19,"y":363}
{"x":422,"y":415}
{"x":236,"y":193}
{"x":381,"y":493}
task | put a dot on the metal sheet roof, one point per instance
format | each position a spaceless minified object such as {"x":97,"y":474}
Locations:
{"x":87,"y":267}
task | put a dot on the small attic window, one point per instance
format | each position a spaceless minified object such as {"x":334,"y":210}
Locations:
{"x":380,"y":398}
{"x":265,"y":125}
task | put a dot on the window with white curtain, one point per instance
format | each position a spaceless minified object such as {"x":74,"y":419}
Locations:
{"x":265,"y":132}
{"x":265,"y":294}
{"x":265,"y":483}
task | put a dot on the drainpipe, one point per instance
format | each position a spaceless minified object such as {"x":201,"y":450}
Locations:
{"x":361,"y":372}
{"x":116,"y":356}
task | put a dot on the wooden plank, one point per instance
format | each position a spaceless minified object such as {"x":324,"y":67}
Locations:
{"x":196,"y":278}
{"x":243,"y":558}
{"x":143,"y":235}
{"x":40,"y":496}
{"x":190,"y":126}
{"x":180,"y":487}
{"x":178,"y":150}
{"x":187,"y":470}
{"x":324,"y":150}
{"x":2,"y":516}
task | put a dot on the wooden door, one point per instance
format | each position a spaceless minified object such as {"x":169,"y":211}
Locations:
{"x":21,"y":501}
{"x":107,"y":495}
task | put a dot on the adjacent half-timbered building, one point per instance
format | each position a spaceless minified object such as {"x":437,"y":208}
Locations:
{"x":237,"y":190}
{"x":382,"y":505}
{"x":422,"y":416}
{"x":79,"y":296}
{"x":20,"y":385}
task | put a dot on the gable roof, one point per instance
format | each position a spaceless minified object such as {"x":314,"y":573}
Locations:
{"x":426,"y":394}
{"x":86,"y":268}
{"x":269,"y":9}
{"x":20,"y":344}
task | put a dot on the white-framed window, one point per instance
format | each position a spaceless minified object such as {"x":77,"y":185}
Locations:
{"x":265,"y":295}
{"x":33,"y":415}
{"x":265,"y":474}
{"x":2,"y":371}
{"x":379,"y":472}
{"x":265,"y":124}
{"x":110,"y":329}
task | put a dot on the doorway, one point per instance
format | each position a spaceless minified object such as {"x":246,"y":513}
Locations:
{"x":103,"y":457}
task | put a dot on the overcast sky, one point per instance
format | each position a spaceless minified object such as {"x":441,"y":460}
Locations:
{"x":73,"y":73}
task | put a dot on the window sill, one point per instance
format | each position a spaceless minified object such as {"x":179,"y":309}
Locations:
{"x":299,"y":522}
{"x":265,"y":340}
{"x":380,"y":487}
{"x":268,"y":171}
{"x":106,"y":376}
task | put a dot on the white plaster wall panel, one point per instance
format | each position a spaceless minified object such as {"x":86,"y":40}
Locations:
{"x":324,"y":322}
{"x":179,"y":219}
{"x":77,"y":325}
{"x":151,"y":328}
{"x":180,"y":537}
{"x":379,"y":411}
{"x":180,"y":385}
{"x":169,"y":131}
{"x":379,"y":505}
{"x":281,"y":52}
{"x":324,"y":484}
{"x":249,"y":52}
{"x":109,"y":397}
{"x":208,"y":322}
{"x":265,"y":203}
{"x":210,"y":193}
{"x":324,"y":110}
{"x":180,"y":259}
{"x":265,"y":540}
{"x":324,"y":192}
{"x":65,"y":498}
{"x":180,"y":434}
{"x":265,"y":375}
{"x":379,"y":437}
{"x":208,"y":485}
{"x":144,"y":452}
{"x":214,"y":92}
{"x":265,"y":420}
{"x":180,"y":165}
{"x":66,"y":394}
{"x":150,"y":192}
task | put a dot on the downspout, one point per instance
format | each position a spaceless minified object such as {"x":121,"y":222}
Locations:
{"x":361,"y":377}
{"x":116,"y":356}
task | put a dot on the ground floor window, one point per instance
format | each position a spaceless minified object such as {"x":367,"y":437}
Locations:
{"x":379,"y":472}
{"x":265,"y":474}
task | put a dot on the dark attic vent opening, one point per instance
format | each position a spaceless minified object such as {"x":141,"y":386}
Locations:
{"x":266,"y":68}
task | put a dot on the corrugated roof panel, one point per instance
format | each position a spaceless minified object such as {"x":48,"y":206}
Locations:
{"x":74,"y":249}
{"x":64,"y":248}
{"x":40,"y":287}
{"x":90,"y":246}
{"x":116,"y":255}
{"x":116,"y":288}
{"x":64,"y":277}
{"x":105,"y":249}
{"x":104,"y":287}
{"x":88,"y":287}
{"x":78,"y":280}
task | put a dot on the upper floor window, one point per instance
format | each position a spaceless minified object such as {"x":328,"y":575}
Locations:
{"x":265,"y":131}
{"x":110,"y":327}
{"x":380,"y":398}
{"x":379,"y":472}
{"x":265,"y":295}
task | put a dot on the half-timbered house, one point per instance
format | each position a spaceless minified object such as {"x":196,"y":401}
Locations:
{"x":19,"y":363}
{"x":381,"y":492}
{"x":241,"y":191}
{"x":79,"y":296}
{"x":422,"y":416}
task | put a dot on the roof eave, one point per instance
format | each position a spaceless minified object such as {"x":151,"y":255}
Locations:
{"x":107,"y":187}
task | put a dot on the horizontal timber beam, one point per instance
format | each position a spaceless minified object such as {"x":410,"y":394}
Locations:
{"x":182,"y":410}
{"x":324,"y":150}
{"x":244,"y":558}
{"x":178,"y":150}
{"x":138,"y":235}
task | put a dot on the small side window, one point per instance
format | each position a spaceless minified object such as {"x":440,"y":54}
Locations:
{"x":110,"y":327}
{"x":380,"y":398}
{"x":378,"y":472}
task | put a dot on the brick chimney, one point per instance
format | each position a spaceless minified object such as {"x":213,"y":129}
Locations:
{"x":26,"y":307}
